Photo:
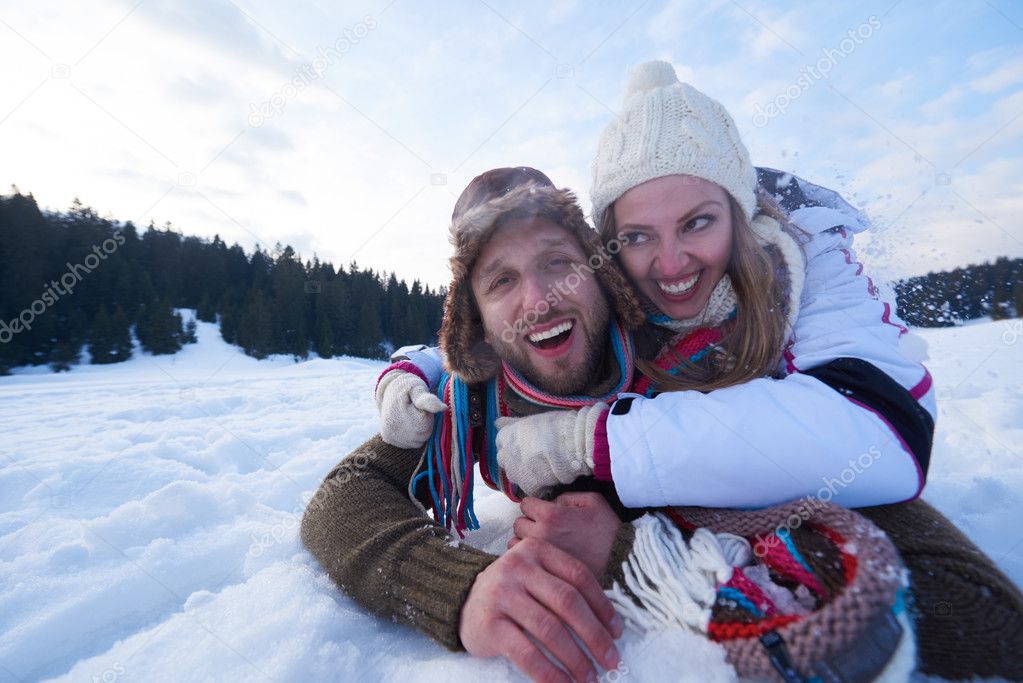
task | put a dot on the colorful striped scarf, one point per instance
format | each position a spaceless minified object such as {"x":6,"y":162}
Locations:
{"x":692,"y":346}
{"x":449,"y":455}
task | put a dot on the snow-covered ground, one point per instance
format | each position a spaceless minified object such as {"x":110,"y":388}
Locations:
{"x":149,"y":516}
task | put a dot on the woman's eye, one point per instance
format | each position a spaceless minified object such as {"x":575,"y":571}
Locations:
{"x":499,"y":282}
{"x":699,"y":223}
{"x":636,"y":238}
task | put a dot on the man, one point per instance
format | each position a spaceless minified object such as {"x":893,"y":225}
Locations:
{"x":516,"y":238}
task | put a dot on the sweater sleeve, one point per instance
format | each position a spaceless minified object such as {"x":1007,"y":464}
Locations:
{"x":851,"y":421}
{"x":380,"y":549}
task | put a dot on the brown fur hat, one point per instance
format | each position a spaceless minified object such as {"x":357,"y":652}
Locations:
{"x":489,"y":201}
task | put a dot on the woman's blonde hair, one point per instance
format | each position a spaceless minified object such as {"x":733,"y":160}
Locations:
{"x":753,"y":345}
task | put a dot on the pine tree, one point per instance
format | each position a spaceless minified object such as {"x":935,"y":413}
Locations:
{"x":289,"y":301}
{"x":120,"y":336}
{"x":67,"y":351}
{"x":255,"y":327}
{"x":205,"y":312}
{"x":368,"y":334}
{"x":160,"y":329}
{"x":189,"y":336}
{"x":1001,"y":295}
{"x":324,"y":334}
{"x":100,"y":341}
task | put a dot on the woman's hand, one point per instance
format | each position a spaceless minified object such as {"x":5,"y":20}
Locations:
{"x":406,"y":408}
{"x":581,"y":524}
{"x":541,"y":451}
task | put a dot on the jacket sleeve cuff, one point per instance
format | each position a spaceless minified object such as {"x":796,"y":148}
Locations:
{"x":601,"y":450}
{"x":404,"y":366}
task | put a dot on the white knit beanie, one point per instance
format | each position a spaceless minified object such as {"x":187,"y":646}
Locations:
{"x":667,"y":128}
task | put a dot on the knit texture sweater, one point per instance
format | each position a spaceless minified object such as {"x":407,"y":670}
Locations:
{"x":379,"y":548}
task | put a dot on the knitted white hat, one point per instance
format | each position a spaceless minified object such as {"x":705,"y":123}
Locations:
{"x":667,"y":128}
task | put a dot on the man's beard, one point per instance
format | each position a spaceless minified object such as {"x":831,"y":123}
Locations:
{"x":566,"y":380}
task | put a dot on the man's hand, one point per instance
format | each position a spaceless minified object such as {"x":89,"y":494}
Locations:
{"x":581,"y":524}
{"x":535,"y":591}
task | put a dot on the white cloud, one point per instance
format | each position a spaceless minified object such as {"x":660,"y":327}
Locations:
{"x":1008,"y":73}
{"x":454,"y":90}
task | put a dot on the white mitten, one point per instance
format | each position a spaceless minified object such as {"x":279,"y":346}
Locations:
{"x":541,"y":451}
{"x":406,"y":408}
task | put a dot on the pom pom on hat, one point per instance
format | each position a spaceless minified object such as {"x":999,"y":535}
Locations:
{"x":648,"y":76}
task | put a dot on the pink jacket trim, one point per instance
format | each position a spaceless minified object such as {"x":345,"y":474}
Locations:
{"x":919,"y":472}
{"x":601,"y":449}
{"x":404,"y":366}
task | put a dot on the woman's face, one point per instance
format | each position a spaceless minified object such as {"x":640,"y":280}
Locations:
{"x":678,"y":232}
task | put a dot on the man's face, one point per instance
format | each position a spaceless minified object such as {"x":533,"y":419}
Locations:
{"x":543,"y":317}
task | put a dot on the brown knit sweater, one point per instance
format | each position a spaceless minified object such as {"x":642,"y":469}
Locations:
{"x":380,"y":549}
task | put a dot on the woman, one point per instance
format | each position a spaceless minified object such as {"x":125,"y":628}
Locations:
{"x":765,"y":345}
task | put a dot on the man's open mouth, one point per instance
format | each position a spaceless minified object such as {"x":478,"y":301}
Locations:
{"x":553,"y":338}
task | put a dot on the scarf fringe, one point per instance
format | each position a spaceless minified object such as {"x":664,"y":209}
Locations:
{"x":675,"y":583}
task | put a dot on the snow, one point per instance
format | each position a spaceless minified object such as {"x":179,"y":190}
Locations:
{"x":149,"y":517}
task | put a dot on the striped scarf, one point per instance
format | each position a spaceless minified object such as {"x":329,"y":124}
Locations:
{"x":692,"y":346}
{"x":449,"y":455}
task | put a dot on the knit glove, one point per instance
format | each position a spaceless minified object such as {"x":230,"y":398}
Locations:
{"x":541,"y":451}
{"x":406,"y":406}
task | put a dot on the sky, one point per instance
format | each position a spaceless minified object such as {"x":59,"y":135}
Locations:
{"x":348,"y":132}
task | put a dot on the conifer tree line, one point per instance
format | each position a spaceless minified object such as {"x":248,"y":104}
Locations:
{"x":947,"y":298}
{"x":74,"y":286}
{"x":72,"y":282}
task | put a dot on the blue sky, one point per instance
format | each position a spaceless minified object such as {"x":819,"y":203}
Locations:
{"x":350,"y":132}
